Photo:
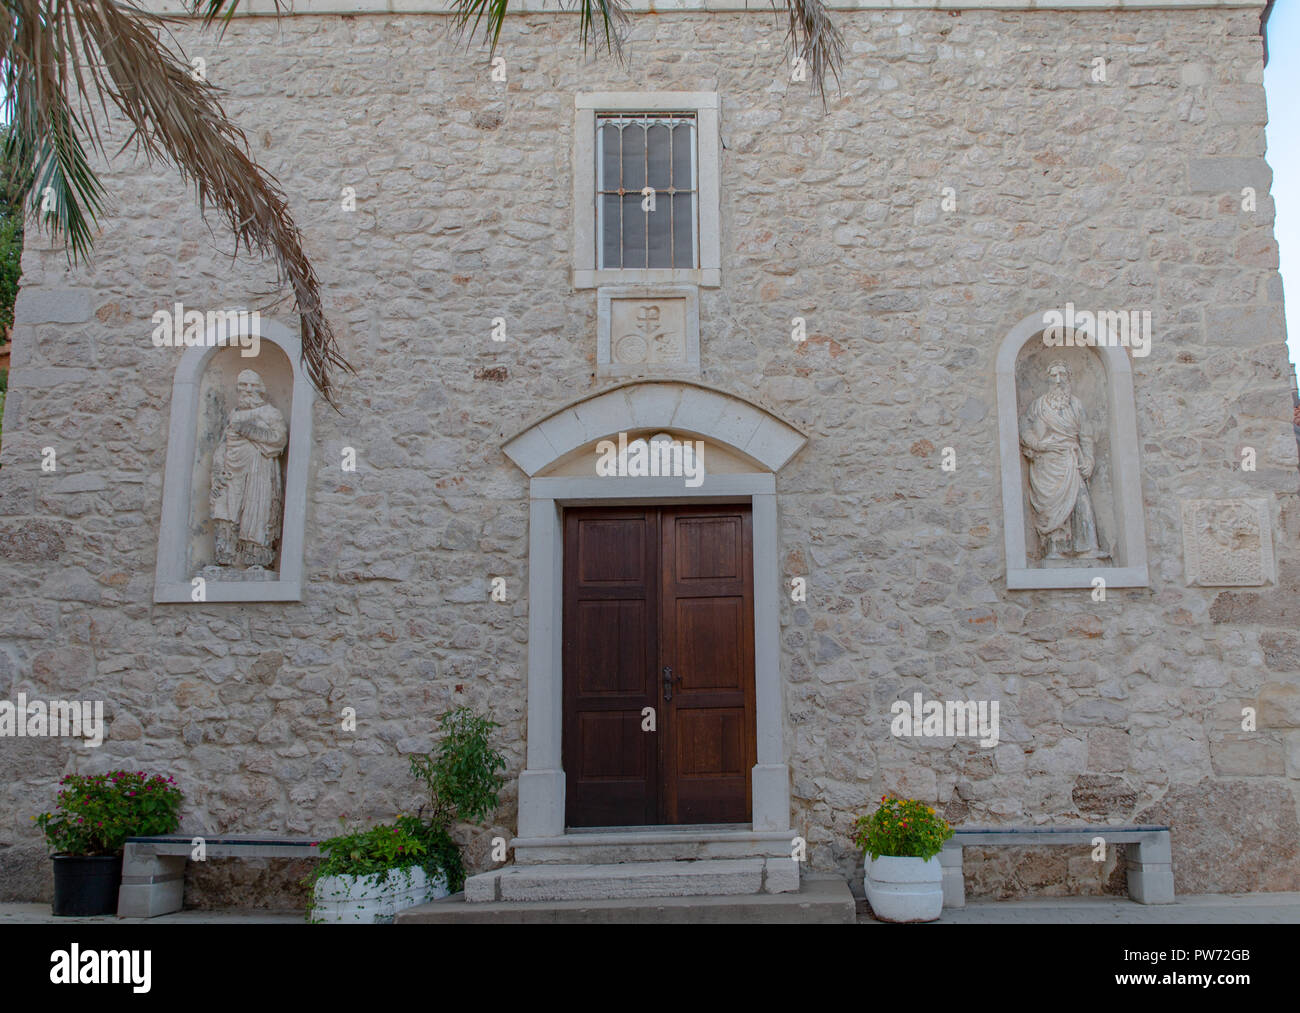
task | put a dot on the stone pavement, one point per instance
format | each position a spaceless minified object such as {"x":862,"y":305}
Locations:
{"x":1234,"y":909}
{"x":1240,"y":909}
{"x":26,"y":913}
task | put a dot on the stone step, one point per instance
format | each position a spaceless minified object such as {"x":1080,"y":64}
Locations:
{"x":650,"y":844}
{"x":708,"y":877}
{"x":820,"y":900}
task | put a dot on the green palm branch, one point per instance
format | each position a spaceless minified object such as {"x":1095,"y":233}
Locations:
{"x":811,"y":35}
{"x":63,"y":63}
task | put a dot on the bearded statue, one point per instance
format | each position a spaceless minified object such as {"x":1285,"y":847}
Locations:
{"x":247,"y":491}
{"x":1056,"y":438}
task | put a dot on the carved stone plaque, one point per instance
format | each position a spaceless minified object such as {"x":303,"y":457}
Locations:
{"x":1227,"y":542}
{"x":644,"y":331}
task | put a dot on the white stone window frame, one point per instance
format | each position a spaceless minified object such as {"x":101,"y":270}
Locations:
{"x":171,"y":581}
{"x":1130,"y":520}
{"x":705,"y":106}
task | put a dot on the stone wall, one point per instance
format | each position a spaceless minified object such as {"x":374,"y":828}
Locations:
{"x":1122,"y":193}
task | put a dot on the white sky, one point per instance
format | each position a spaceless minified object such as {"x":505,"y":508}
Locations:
{"x":1282,"y":85}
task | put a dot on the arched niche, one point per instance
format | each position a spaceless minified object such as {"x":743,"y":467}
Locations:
{"x":204,"y":395}
{"x":1101,"y":376}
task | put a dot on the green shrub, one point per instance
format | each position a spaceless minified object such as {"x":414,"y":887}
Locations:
{"x":96,"y":813}
{"x":902,"y":828}
{"x":462,"y":779}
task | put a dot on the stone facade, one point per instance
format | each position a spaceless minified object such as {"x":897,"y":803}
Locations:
{"x":1125,"y":192}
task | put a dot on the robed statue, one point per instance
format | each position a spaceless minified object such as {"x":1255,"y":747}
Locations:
{"x":1057,"y":440}
{"x":247,"y":490}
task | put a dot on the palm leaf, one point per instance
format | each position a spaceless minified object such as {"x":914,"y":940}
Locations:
{"x":813,"y":36}
{"x":111,"y":52}
{"x":611,"y":15}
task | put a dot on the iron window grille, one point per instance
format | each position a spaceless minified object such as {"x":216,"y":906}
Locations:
{"x":636,"y":151}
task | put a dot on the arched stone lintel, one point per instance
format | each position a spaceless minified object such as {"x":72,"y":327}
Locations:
{"x":668,"y":404}
{"x":1113,"y":357}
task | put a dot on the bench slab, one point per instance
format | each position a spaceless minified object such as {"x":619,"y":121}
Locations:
{"x":153,"y":868}
{"x":1149,"y":866}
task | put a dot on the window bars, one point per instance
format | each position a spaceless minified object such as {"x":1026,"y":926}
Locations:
{"x":647,"y":189}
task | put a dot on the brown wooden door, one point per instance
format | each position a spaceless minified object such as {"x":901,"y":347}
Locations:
{"x":658,"y":613}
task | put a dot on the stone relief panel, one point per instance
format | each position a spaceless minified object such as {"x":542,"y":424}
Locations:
{"x":1227,"y":542}
{"x":643,"y":331}
{"x":1064,"y":432}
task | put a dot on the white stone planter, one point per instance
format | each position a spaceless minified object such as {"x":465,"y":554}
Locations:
{"x":904,"y":889}
{"x":365,"y":900}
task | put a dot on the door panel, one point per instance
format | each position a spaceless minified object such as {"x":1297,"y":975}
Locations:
{"x":707,"y":639}
{"x":611,"y":561}
{"x":647,"y":590}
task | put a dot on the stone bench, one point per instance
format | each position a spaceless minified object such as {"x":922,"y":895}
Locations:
{"x":153,"y":868}
{"x":1150,"y":870}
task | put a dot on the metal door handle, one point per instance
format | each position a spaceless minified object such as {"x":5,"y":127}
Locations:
{"x":668,"y":683}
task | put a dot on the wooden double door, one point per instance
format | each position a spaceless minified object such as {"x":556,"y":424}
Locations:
{"x":659,"y":723}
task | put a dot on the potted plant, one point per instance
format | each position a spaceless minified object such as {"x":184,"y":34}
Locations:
{"x":93,"y":817}
{"x":904,"y":881}
{"x":370,"y":875}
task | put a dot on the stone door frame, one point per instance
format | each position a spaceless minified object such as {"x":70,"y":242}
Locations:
{"x":691,"y":410}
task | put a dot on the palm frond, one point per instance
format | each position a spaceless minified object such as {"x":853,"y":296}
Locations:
{"x":813,"y":36}
{"x":110,"y":51}
{"x":609,"y":15}
{"x":220,"y":10}
{"x":613,"y":17}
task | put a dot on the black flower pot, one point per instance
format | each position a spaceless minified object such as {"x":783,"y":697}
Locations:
{"x":86,"y":884}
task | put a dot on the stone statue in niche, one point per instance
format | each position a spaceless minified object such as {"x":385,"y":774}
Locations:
{"x":1056,"y":438}
{"x":247,"y":495}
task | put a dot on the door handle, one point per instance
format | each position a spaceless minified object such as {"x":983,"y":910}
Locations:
{"x":668,"y":683}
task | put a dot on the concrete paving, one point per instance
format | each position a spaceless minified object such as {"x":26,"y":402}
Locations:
{"x":1214,"y":909}
{"x":1236,"y":909}
{"x":39,"y":914}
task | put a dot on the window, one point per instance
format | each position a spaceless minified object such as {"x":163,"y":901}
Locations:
{"x":646,"y":189}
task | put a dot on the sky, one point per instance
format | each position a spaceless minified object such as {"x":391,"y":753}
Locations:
{"x":1282,"y":86}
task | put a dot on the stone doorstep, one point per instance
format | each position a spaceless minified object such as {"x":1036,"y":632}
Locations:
{"x":822,"y":899}
{"x":626,"y":880}
{"x":649,"y":845}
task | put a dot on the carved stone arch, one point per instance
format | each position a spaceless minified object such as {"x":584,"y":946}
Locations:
{"x":278,"y":359}
{"x":678,"y":406}
{"x":748,"y":433}
{"x":1128,"y":537}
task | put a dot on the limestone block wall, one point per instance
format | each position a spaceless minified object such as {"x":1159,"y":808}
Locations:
{"x":1124,"y":193}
